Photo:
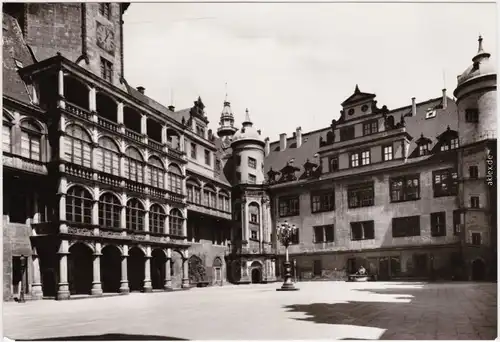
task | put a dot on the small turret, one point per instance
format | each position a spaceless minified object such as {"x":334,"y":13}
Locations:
{"x":226,"y":124}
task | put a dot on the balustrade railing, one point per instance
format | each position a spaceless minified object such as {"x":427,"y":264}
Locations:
{"x":78,"y":171}
{"x":134,"y":186}
{"x":133,"y":135}
{"x":155,"y":145}
{"x":106,"y":178}
{"x":156,"y":192}
{"x":175,"y":197}
{"x":23,"y":163}
{"x":108,"y":124}
{"x":79,"y":111}
{"x":175,"y":153}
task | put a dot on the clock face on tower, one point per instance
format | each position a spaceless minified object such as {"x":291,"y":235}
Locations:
{"x":105,"y":38}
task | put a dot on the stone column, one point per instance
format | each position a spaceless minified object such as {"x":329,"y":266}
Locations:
{"x":95,"y":206}
{"x":185,"y":271}
{"x":92,"y":99}
{"x":36,"y":285}
{"x":244,"y":221}
{"x":60,"y":89}
{"x":168,"y":279}
{"x":62,"y":204}
{"x":36,"y":209}
{"x":147,"y":271}
{"x":184,"y":224}
{"x":96,"y":281}
{"x":124,"y":289}
{"x":146,"y":215}
{"x":123,"y":212}
{"x":63,"y":285}
{"x":119,"y":118}
{"x":144,"y":128}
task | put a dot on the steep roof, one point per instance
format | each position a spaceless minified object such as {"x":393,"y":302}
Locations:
{"x":14,"y":48}
{"x":415,"y":126}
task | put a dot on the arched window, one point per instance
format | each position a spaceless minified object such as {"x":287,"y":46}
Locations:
{"x":156,"y":219}
{"x":175,"y":178}
{"x":175,"y":222}
{"x":108,"y":156}
{"x":78,"y":205}
{"x":31,"y":137}
{"x":193,"y":191}
{"x":78,"y":146}
{"x":209,"y":199}
{"x":156,"y":173}
{"x":224,"y":201}
{"x":109,"y":211}
{"x":134,"y":165}
{"x":135,"y":215}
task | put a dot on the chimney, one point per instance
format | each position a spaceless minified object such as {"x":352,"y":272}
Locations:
{"x":298,"y":135}
{"x":445,"y":99}
{"x":413,"y":107}
{"x":267,"y":148}
{"x":172,"y":108}
{"x":282,"y":141}
{"x":141,"y":89}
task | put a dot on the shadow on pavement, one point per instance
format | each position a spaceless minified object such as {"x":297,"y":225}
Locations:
{"x":428,"y":313}
{"x":110,"y":337}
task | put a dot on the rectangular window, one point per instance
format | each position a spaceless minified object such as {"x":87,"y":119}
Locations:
{"x":406,"y":226}
{"x":365,"y":158}
{"x":252,"y":163}
{"x":474,"y":202}
{"x":295,"y":238}
{"x":347,"y":133}
{"x":252,"y":179}
{"x":445,"y":183}
{"x":106,"y":70}
{"x":323,"y":233}
{"x":370,"y":127}
{"x":288,"y":206}
{"x":449,"y":145}
{"x":387,"y":153}
{"x":334,"y":163}
{"x":473,"y":172}
{"x":193,"y":151}
{"x":254,"y":218}
{"x":363,"y":230}
{"x":456,"y":222}
{"x":423,"y":150}
{"x":322,"y":201}
{"x":438,"y":224}
{"x":354,"y":160}
{"x":405,"y":188}
{"x":476,"y":239}
{"x":253,"y":235}
{"x":207,"y":157}
{"x":197,"y":195}
{"x":472,"y":115}
{"x":360,"y":195}
{"x":6,"y":139}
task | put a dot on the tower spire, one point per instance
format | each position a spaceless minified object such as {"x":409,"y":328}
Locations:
{"x":481,"y":54}
{"x":247,"y":121}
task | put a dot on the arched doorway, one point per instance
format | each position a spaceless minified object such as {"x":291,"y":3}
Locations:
{"x":217,"y":266}
{"x":135,"y":269}
{"x":158,"y":260}
{"x":197,"y":271}
{"x":256,"y":272}
{"x":111,"y":269}
{"x":80,"y":267}
{"x":478,"y":270}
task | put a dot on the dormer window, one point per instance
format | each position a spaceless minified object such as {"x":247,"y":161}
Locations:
{"x":431,"y":113}
{"x":423,"y":150}
{"x":450,"y":145}
{"x":200,"y":131}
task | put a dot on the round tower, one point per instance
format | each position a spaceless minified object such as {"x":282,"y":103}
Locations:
{"x":226,"y":124}
{"x":476,"y":99}
{"x":248,"y":153}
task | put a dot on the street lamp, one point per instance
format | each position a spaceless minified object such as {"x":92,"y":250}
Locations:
{"x":285,"y":231}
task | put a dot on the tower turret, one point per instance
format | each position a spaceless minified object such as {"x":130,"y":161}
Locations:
{"x":476,"y":99}
{"x":226,"y":124}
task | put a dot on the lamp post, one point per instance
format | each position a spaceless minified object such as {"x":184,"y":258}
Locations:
{"x":285,"y":231}
{"x":23,"y":268}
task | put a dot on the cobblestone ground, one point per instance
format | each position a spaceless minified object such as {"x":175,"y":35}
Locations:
{"x":320,"y":310}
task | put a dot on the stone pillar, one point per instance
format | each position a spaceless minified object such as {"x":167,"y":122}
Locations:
{"x":92,"y":99}
{"x":164,"y":139}
{"x":63,"y":285}
{"x":146,"y":216}
{"x":60,"y":89}
{"x":119,"y":118}
{"x":147,"y":271}
{"x":185,"y":271}
{"x":123,"y":212}
{"x":95,"y":206}
{"x":36,"y":285}
{"x":36,"y":209}
{"x":96,"y":281}
{"x":124,"y":289}
{"x":244,"y":221}
{"x":168,"y":279}
{"x":166,"y":228}
{"x":62,"y":203}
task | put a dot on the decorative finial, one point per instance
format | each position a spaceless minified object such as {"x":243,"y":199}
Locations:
{"x":225,"y":98}
{"x":480,"y":51}
{"x":480,"y":47}
{"x":356,"y":91}
{"x":247,"y":116}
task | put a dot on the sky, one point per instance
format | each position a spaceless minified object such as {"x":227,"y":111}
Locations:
{"x":292,"y":64}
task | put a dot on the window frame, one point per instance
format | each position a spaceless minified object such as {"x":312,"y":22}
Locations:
{"x":193,"y":151}
{"x":472,"y":115}
{"x":473,"y":171}
{"x":252,"y":163}
{"x":79,"y":204}
{"x":106,"y":70}
{"x":109,"y":211}
{"x":404,"y":188}
{"x":157,"y":219}
{"x":368,"y":127}
{"x":363,"y":224}
{"x":353,"y":191}
{"x":406,"y":226}
{"x":343,"y":131}
{"x":252,"y":179}
{"x":325,"y":238}
{"x":288,"y":206}
{"x":331,"y":164}
{"x":438,"y":224}
{"x":451,"y":182}
{"x":320,"y":196}
{"x":105,"y":10}
{"x":474,"y":202}
{"x":208,"y":159}
{"x":385,"y":154}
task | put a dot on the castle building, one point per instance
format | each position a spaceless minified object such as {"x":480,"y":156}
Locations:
{"x":107,"y":191}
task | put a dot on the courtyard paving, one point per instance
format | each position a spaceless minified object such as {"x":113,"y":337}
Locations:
{"x":320,"y":310}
